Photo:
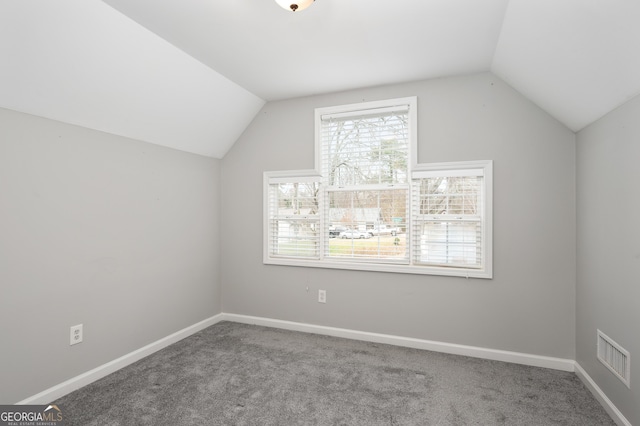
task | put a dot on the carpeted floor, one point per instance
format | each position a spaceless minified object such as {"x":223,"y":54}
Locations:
{"x":236,"y":374}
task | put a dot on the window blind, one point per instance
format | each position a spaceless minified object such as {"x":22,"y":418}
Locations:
{"x":365,"y":149}
{"x":294,"y":218}
{"x":448,"y":219}
{"x":364,"y":167}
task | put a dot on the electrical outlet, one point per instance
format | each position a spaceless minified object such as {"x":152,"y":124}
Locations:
{"x":75,"y":335}
{"x":322,"y":296}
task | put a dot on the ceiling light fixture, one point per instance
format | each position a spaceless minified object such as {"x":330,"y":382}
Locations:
{"x":295,"y":5}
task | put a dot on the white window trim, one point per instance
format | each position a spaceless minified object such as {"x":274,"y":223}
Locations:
{"x":415,"y":170}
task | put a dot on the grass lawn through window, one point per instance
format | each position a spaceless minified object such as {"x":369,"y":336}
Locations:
{"x":386,"y":246}
{"x":382,"y":247}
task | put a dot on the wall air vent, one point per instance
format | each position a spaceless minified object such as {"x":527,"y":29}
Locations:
{"x":614,"y":357}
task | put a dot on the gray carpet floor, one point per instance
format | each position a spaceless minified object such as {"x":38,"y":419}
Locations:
{"x":236,"y":374}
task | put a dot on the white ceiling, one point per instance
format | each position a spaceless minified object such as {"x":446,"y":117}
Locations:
{"x":192,"y":74}
{"x":576,"y":59}
{"x":84,"y":63}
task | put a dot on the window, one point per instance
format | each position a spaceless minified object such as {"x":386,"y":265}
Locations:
{"x":294,"y":217}
{"x":365,"y":176}
{"x":368,"y":206}
{"x":448,"y":216}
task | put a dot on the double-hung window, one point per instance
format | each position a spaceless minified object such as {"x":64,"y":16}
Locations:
{"x":450,"y":227}
{"x":369,"y":206}
{"x":293,"y":216}
{"x":364,"y":163}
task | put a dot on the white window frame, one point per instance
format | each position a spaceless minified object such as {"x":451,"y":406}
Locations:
{"x":414,"y":170}
{"x":292,"y":176}
{"x":465,"y":168}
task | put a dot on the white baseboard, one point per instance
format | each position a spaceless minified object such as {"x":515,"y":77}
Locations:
{"x":611,"y":409}
{"x":57,"y":391}
{"x":562,"y":364}
{"x":450,"y":348}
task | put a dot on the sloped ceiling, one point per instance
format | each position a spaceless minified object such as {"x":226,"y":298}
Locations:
{"x":84,"y":63}
{"x":191,"y":74}
{"x":576,"y":59}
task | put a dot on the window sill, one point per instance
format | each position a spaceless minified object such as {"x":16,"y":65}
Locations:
{"x":379,"y":267}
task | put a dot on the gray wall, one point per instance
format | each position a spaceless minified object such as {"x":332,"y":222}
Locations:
{"x":528,"y":307}
{"x":608,"y":248}
{"x":116,"y":234}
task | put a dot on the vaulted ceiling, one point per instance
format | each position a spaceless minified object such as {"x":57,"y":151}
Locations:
{"x":192,"y":74}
